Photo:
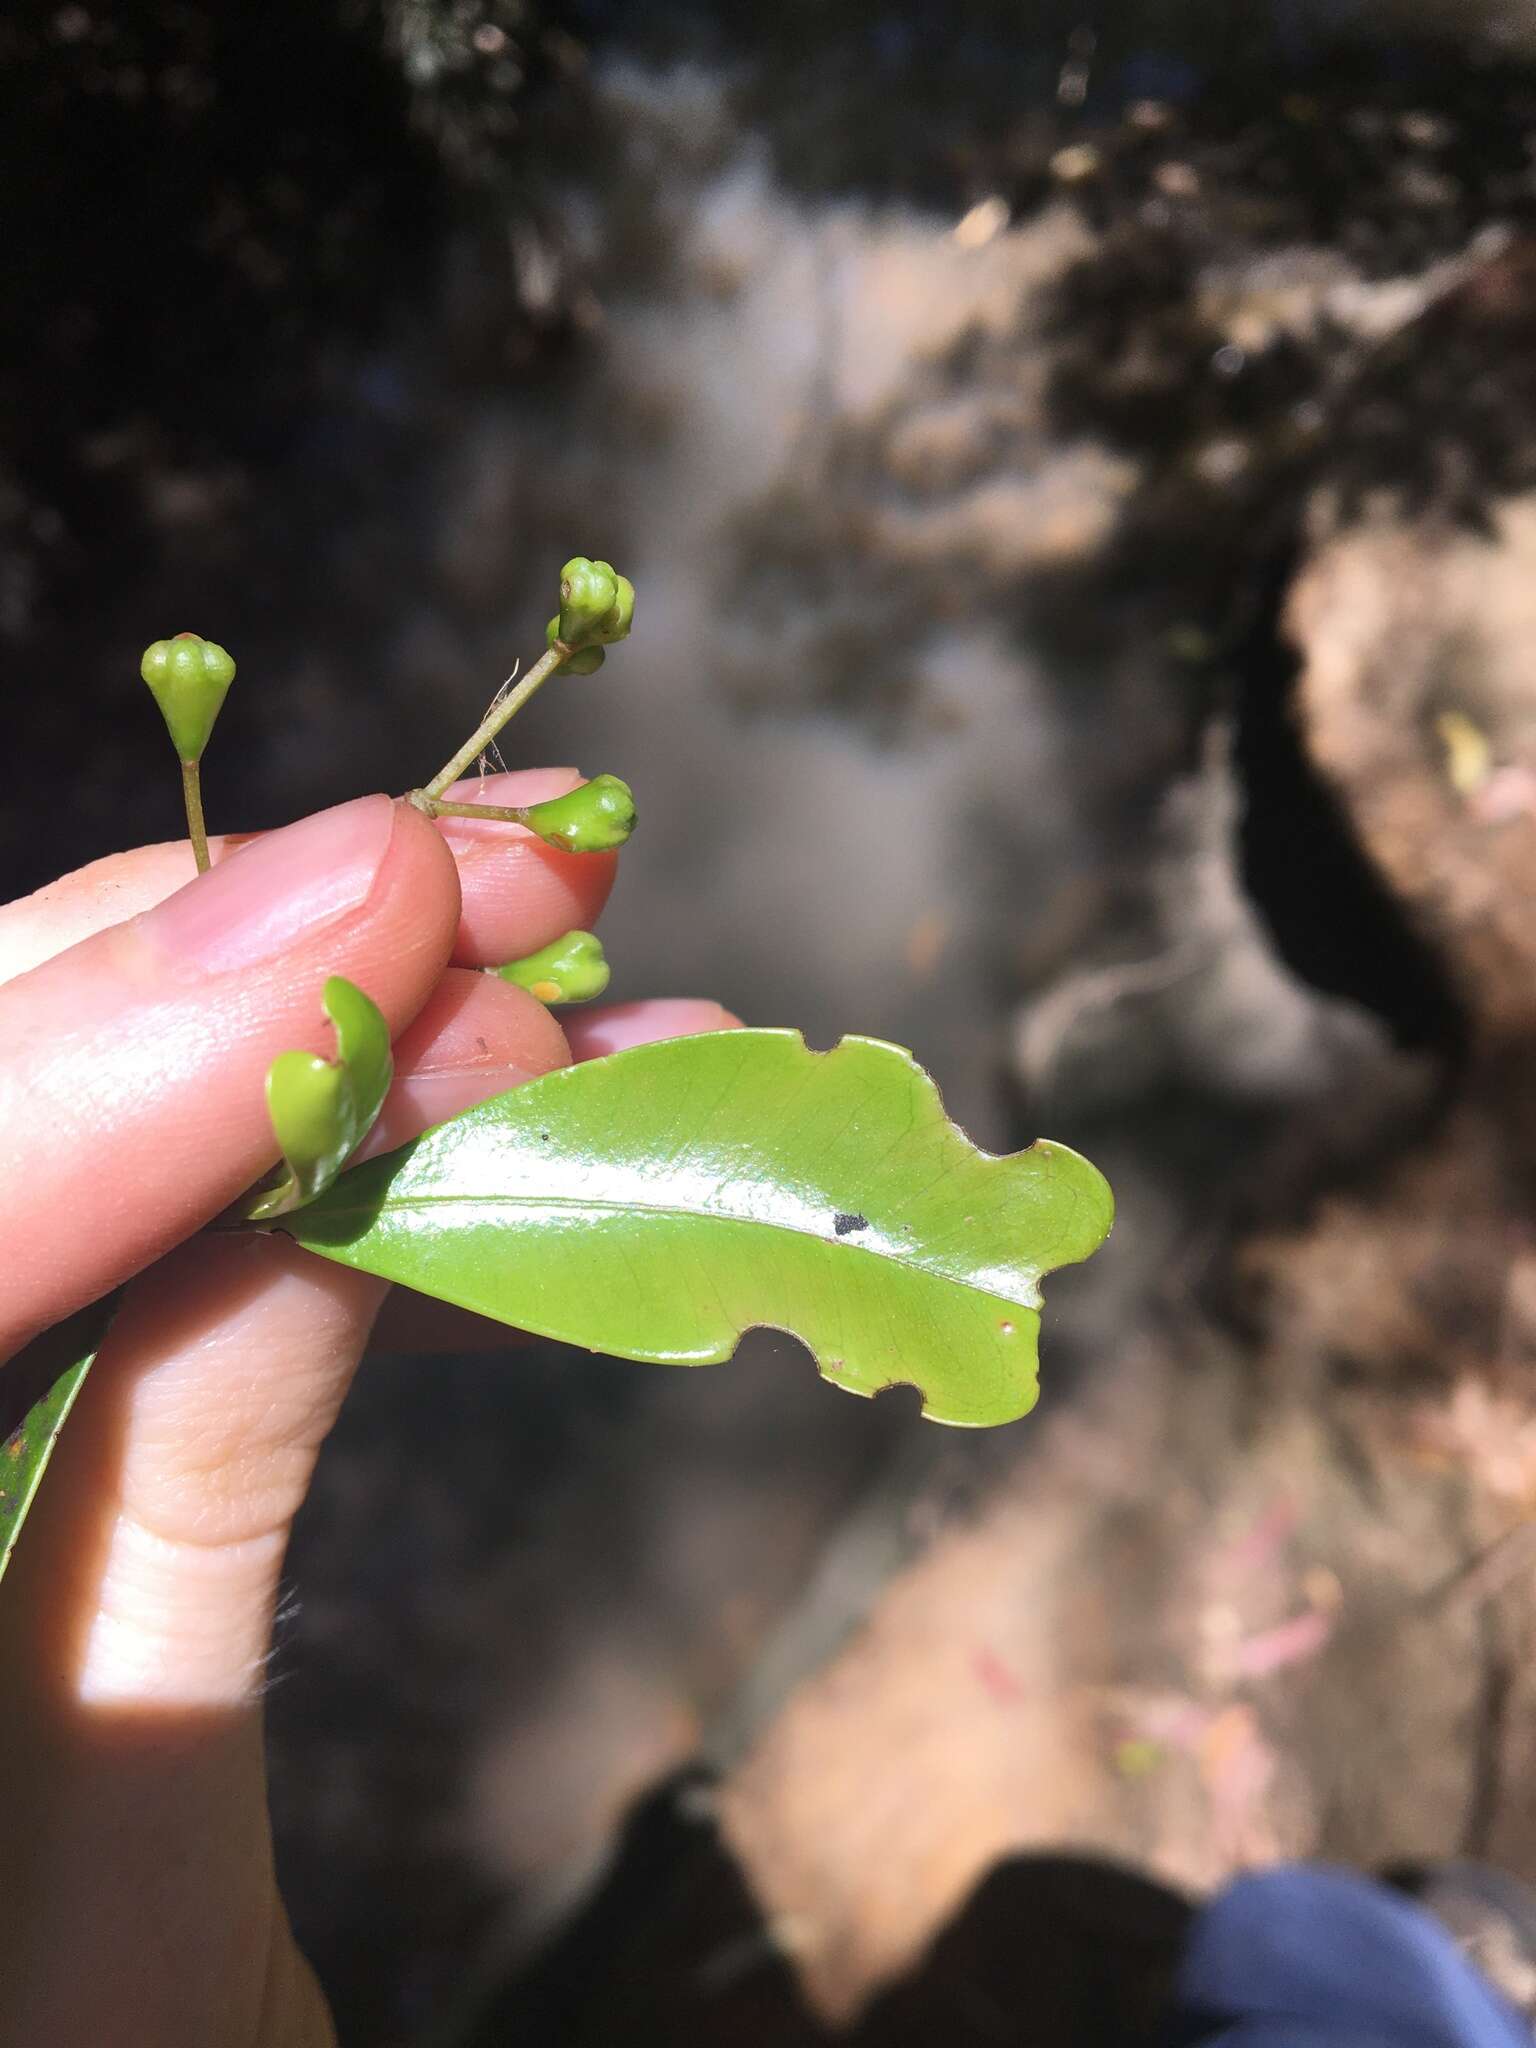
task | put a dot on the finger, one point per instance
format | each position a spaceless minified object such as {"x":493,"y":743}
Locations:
{"x":477,"y":1036}
{"x":222,"y":1375}
{"x":518,"y":894}
{"x":615,"y":1026}
{"x":139,"y":1601}
{"x":198,"y":1429}
{"x":132,"y":1106}
{"x":119,"y":886}
{"x":139,"y":1606}
{"x":143,"y":1592}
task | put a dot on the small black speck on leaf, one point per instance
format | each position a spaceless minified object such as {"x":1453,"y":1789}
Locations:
{"x":844,"y":1222}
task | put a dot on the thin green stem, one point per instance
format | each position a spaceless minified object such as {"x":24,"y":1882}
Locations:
{"x":493,"y":721}
{"x":192,"y":796}
{"x":439,"y":807}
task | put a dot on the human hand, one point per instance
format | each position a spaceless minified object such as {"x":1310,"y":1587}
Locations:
{"x":138,"y":1015}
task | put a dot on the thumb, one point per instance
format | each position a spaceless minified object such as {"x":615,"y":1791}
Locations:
{"x":131,"y":1066}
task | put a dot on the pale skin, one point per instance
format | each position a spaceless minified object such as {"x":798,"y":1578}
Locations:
{"x":137,"y":1018}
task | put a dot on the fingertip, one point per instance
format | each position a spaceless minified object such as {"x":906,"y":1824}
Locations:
{"x":174,"y":1017}
{"x":517,"y":893}
{"x":476,"y":1020}
{"x":420,"y":863}
{"x":511,"y":786}
{"x":475,"y":1037}
{"x":617,"y":1026}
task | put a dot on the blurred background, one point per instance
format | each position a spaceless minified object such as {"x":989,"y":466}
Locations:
{"x":1078,"y":465}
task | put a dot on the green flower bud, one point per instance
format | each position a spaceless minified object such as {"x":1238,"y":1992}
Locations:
{"x":597,"y":606}
{"x":572,"y":970}
{"x":189,"y":676}
{"x":584,"y":663}
{"x":593,"y":819}
{"x":588,"y":593}
{"x":621,"y":616}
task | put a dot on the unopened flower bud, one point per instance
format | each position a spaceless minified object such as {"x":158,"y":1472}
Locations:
{"x":189,"y":677}
{"x":621,"y":614}
{"x":585,"y":662}
{"x":597,"y":606}
{"x":588,"y":592}
{"x":571,"y":970}
{"x":593,"y":819}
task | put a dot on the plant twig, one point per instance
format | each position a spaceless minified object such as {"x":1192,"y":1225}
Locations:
{"x":439,"y":807}
{"x":192,"y":795}
{"x":493,"y":721}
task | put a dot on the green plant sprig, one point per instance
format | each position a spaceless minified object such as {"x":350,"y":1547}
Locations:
{"x":655,"y":1203}
{"x":190,"y":677}
{"x":321,"y":1110}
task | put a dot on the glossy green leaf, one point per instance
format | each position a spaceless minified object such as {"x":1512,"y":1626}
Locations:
{"x":38,"y":1387}
{"x":659,"y":1203}
{"x":322,"y":1110}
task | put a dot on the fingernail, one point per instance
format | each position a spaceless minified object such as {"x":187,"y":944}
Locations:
{"x":275,"y":891}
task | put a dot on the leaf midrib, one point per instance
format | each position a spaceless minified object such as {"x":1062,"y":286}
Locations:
{"x":671,"y":1211}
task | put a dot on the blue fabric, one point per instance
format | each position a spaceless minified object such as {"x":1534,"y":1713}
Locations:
{"x":1310,"y":1958}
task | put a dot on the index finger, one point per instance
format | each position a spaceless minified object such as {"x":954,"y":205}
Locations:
{"x":518,"y":894}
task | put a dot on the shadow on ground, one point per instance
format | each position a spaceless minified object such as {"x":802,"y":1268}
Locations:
{"x":1065,"y":1951}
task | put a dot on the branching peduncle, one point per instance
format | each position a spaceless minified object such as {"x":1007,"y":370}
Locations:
{"x":485,"y":732}
{"x":439,"y":807}
{"x":189,"y":677}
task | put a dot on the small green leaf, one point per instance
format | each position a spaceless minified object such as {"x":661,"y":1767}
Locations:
{"x":38,"y":1388}
{"x":596,"y":818}
{"x":362,"y":1047}
{"x":658,"y":1203}
{"x":322,"y":1110}
{"x":571,"y":970}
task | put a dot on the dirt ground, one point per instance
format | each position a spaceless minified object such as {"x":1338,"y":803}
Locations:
{"x":1259,"y":1586}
